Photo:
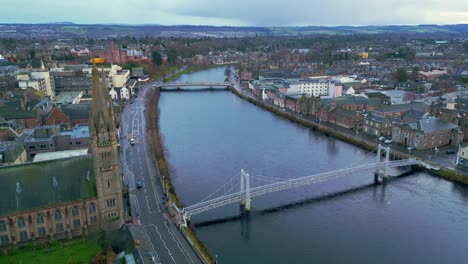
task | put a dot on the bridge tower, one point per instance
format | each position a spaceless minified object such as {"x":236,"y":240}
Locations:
{"x":245,"y":188}
{"x":387,"y":160}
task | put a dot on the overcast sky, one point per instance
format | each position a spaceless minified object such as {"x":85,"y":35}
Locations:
{"x":237,"y":12}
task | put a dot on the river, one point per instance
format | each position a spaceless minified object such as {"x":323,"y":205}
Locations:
{"x":210,"y":136}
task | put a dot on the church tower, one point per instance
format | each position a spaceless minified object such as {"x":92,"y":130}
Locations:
{"x":105,"y":155}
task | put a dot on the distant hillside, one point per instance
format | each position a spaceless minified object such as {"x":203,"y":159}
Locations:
{"x":71,"y":30}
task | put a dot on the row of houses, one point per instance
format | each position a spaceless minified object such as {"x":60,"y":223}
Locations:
{"x":412,"y":124}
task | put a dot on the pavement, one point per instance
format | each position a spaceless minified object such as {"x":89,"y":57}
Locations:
{"x":159,"y":238}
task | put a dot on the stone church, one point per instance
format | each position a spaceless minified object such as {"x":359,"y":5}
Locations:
{"x":67,"y":197}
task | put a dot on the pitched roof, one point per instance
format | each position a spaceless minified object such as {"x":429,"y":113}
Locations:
{"x":413,"y":115}
{"x":402,"y":107}
{"x":10,"y":150}
{"x":432,"y":124}
{"x":343,"y":112}
{"x":13,"y":110}
{"x":76,"y":111}
{"x":31,"y":185}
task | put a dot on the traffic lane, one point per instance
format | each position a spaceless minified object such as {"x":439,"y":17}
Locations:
{"x":165,"y":238}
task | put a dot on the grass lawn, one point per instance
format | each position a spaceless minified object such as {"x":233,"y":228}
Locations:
{"x":73,"y":251}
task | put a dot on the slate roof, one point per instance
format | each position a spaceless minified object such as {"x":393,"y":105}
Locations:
{"x":432,"y":124}
{"x":11,"y":150}
{"x":14,"y":110}
{"x":35,"y":183}
{"x":343,"y":112}
{"x":413,"y":115}
{"x":76,"y":111}
{"x":375,"y":118}
{"x":402,"y":107}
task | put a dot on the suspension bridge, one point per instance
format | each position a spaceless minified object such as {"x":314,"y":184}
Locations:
{"x":228,"y":194}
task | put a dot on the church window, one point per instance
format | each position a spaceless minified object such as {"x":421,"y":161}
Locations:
{"x":21,"y":223}
{"x":76,"y":223}
{"x":41,"y":231}
{"x":110,"y":203}
{"x":23,"y":235}
{"x":4,"y":239}
{"x":92,"y":208}
{"x":58,"y":214}
{"x":75,"y":211}
{"x":39,"y":219}
{"x":3,"y":227}
{"x":59,"y":227}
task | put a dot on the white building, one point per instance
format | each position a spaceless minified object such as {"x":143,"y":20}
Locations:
{"x":313,"y":87}
{"x":36,"y":84}
{"x":113,"y":94}
{"x":32,"y":78}
{"x":124,"y":93}
{"x":115,"y":76}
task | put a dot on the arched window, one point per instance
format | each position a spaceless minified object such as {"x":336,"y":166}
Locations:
{"x":75,"y":211}
{"x":3,"y":227}
{"x":20,"y":222}
{"x":39,"y":218}
{"x":92,"y":208}
{"x":58,"y":214}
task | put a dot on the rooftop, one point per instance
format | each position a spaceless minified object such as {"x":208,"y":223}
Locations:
{"x":35,"y":185}
{"x":79,"y":131}
{"x":46,"y":156}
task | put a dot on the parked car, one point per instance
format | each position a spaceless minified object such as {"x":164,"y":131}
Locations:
{"x":388,"y":141}
{"x":139,"y":184}
{"x":451,"y":151}
{"x":381,"y":138}
{"x":132,"y":141}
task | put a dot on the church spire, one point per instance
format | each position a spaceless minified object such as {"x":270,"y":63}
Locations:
{"x":43,"y":68}
{"x":101,"y":114}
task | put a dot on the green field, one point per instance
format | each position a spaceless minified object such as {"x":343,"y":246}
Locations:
{"x":74,"y":251}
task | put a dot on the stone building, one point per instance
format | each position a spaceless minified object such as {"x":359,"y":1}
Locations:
{"x":41,"y":203}
{"x":427,"y":133}
{"x":51,"y":200}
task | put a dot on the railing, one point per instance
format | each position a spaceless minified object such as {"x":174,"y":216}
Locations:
{"x":292,"y":183}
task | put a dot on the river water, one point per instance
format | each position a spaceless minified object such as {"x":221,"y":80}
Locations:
{"x":210,"y":136}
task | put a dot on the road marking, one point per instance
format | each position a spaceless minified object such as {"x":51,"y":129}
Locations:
{"x":178,"y":243}
{"x":149,"y":209}
{"x":152,"y":246}
{"x":160,"y":237}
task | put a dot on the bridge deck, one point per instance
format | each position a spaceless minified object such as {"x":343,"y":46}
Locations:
{"x":292,"y":183}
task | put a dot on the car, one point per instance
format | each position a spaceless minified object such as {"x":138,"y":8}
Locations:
{"x":139,"y":184}
{"x":388,"y":141}
{"x":381,"y":138}
{"x":132,"y":141}
{"x":450,"y":151}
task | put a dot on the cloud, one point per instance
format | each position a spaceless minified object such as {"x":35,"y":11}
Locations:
{"x":239,"y":12}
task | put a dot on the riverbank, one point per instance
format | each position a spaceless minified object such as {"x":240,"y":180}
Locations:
{"x":190,"y":70}
{"x":448,"y":174}
{"x":152,"y":117}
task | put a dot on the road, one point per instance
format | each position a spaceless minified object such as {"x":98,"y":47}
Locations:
{"x":160,"y":240}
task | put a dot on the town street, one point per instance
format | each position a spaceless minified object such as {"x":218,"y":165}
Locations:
{"x":160,"y":240}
